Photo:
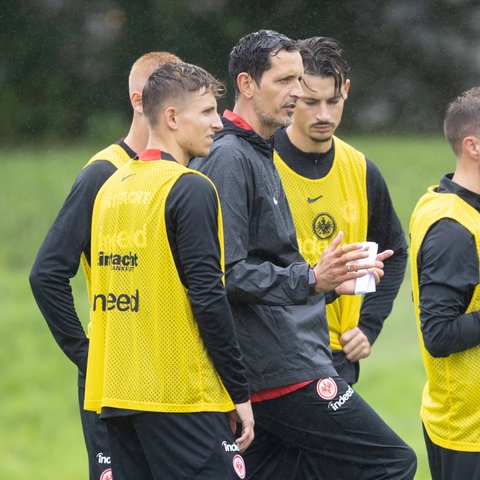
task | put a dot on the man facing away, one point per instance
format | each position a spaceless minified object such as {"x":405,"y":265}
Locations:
{"x":310,"y":423}
{"x":68,"y":243}
{"x":332,"y":187}
{"x":164,"y":365}
{"x":444,"y":256}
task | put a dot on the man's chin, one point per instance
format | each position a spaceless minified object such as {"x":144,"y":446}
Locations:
{"x":321,"y":139}
{"x":285,"y":121}
{"x":199,"y":153}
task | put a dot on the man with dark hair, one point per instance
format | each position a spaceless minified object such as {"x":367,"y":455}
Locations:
{"x":310,"y":423}
{"x":445,"y":265}
{"x":67,"y":244}
{"x":164,"y":365}
{"x":332,"y":187}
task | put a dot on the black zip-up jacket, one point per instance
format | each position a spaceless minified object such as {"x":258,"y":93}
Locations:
{"x":281,"y":324}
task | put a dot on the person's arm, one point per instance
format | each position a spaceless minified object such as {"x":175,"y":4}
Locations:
{"x":259,"y":276}
{"x":251,"y":276}
{"x":58,"y":259}
{"x":384,"y":228}
{"x":448,"y":274}
{"x":192,"y":225}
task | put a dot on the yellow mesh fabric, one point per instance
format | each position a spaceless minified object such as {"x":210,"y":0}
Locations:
{"x":321,"y":209}
{"x":450,"y":397}
{"x":145,"y":349}
{"x":118,"y":157}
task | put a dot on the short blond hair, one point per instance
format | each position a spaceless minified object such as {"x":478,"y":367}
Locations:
{"x":145,"y":66}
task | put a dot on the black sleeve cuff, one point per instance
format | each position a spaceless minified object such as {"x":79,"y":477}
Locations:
{"x":331,"y":296}
{"x":312,"y":281}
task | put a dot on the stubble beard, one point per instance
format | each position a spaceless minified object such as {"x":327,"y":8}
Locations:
{"x":321,"y":140}
{"x":269,"y":121}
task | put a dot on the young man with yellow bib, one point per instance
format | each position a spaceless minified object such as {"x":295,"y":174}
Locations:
{"x":331,"y":187}
{"x":164,"y":369}
{"x":445,"y":266}
{"x":67,"y":244}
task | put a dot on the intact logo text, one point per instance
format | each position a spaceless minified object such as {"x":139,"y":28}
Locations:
{"x":116,"y":261}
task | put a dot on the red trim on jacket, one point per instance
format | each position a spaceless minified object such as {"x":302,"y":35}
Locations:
{"x":237,"y":120}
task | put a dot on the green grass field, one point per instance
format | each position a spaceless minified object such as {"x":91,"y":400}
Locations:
{"x":40,"y":434}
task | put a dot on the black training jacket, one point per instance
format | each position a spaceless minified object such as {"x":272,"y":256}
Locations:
{"x":281,"y":324}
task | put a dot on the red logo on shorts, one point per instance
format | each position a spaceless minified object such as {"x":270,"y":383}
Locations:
{"x":239,"y":466}
{"x":107,"y":475}
{"x":327,"y":388}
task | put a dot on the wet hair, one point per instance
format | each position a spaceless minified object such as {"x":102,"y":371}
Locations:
{"x":253,"y":54}
{"x":324,"y":57}
{"x":462,"y":119}
{"x":145,"y":65}
{"x":171,"y":81}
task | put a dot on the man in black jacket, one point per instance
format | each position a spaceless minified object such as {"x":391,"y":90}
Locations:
{"x":164,"y":364}
{"x":309,"y":422}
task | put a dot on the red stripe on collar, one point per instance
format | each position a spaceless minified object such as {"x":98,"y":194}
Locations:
{"x":150,"y":155}
{"x":237,"y":120}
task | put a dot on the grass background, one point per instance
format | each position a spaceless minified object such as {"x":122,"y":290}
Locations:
{"x":40,"y":432}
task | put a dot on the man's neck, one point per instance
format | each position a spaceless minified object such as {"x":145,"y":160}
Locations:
{"x":169,"y":145}
{"x":468,"y":178}
{"x":137,"y":136}
{"x":248,"y":114}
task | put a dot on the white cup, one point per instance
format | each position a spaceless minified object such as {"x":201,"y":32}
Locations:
{"x":366,"y":284}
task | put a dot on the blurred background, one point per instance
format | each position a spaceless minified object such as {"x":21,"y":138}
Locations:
{"x":64,"y":66}
{"x":64,"y":63}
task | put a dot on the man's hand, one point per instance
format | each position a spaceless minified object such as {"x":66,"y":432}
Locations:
{"x":355,"y":344}
{"x":243,"y":415}
{"x":348,"y":286}
{"x":338,"y":265}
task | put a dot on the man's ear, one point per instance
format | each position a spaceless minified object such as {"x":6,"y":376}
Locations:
{"x":346,"y":87}
{"x":471,"y":145}
{"x":136,"y":101}
{"x":170,"y":116}
{"x":246,"y":84}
